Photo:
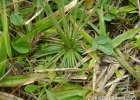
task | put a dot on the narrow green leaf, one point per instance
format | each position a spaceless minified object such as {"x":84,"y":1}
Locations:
{"x":30,"y":88}
{"x":50,"y":31}
{"x":106,"y":48}
{"x":128,"y":8}
{"x":5,"y":34}
{"x":94,"y":27}
{"x":37,"y":3}
{"x":61,"y":80}
{"x":126,"y":35}
{"x":102,"y":23}
{"x":60,"y":4}
{"x":26,"y":10}
{"x":82,"y":32}
{"x":2,"y":67}
{"x":1,"y":25}
{"x":49,"y":50}
{"x":41,"y":25}
{"x":98,"y":3}
{"x":3,"y":56}
{"x":50,"y":95}
{"x":53,"y":18}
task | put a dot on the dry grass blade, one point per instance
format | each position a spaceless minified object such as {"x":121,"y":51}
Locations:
{"x":56,"y":13}
{"x":6,"y":96}
{"x":59,"y":69}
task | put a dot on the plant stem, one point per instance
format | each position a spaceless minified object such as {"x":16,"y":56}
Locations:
{"x":122,"y":61}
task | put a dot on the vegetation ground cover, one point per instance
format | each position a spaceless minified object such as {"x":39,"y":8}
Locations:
{"x":69,"y":49}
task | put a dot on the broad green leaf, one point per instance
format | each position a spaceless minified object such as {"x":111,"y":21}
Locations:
{"x":102,"y":23}
{"x":126,"y":35}
{"x":16,"y":19}
{"x":22,"y":47}
{"x":74,"y":98}
{"x":94,"y":44}
{"x":107,"y":19}
{"x":114,"y":10}
{"x":102,"y":39}
{"x":128,"y":8}
{"x":106,"y":48}
{"x":50,"y":95}
{"x":106,"y":4}
{"x":66,"y":88}
{"x":50,"y":31}
{"x":51,"y":75}
{"x":134,"y":2}
{"x":70,"y":91}
{"x":12,"y":81}
{"x":30,"y":88}
{"x":110,"y":16}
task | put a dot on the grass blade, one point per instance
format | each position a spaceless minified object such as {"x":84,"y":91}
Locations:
{"x":126,"y":35}
{"x":55,"y":23}
{"x":102,"y":23}
{"x":6,"y":35}
{"x":3,"y":57}
{"x":94,"y":27}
